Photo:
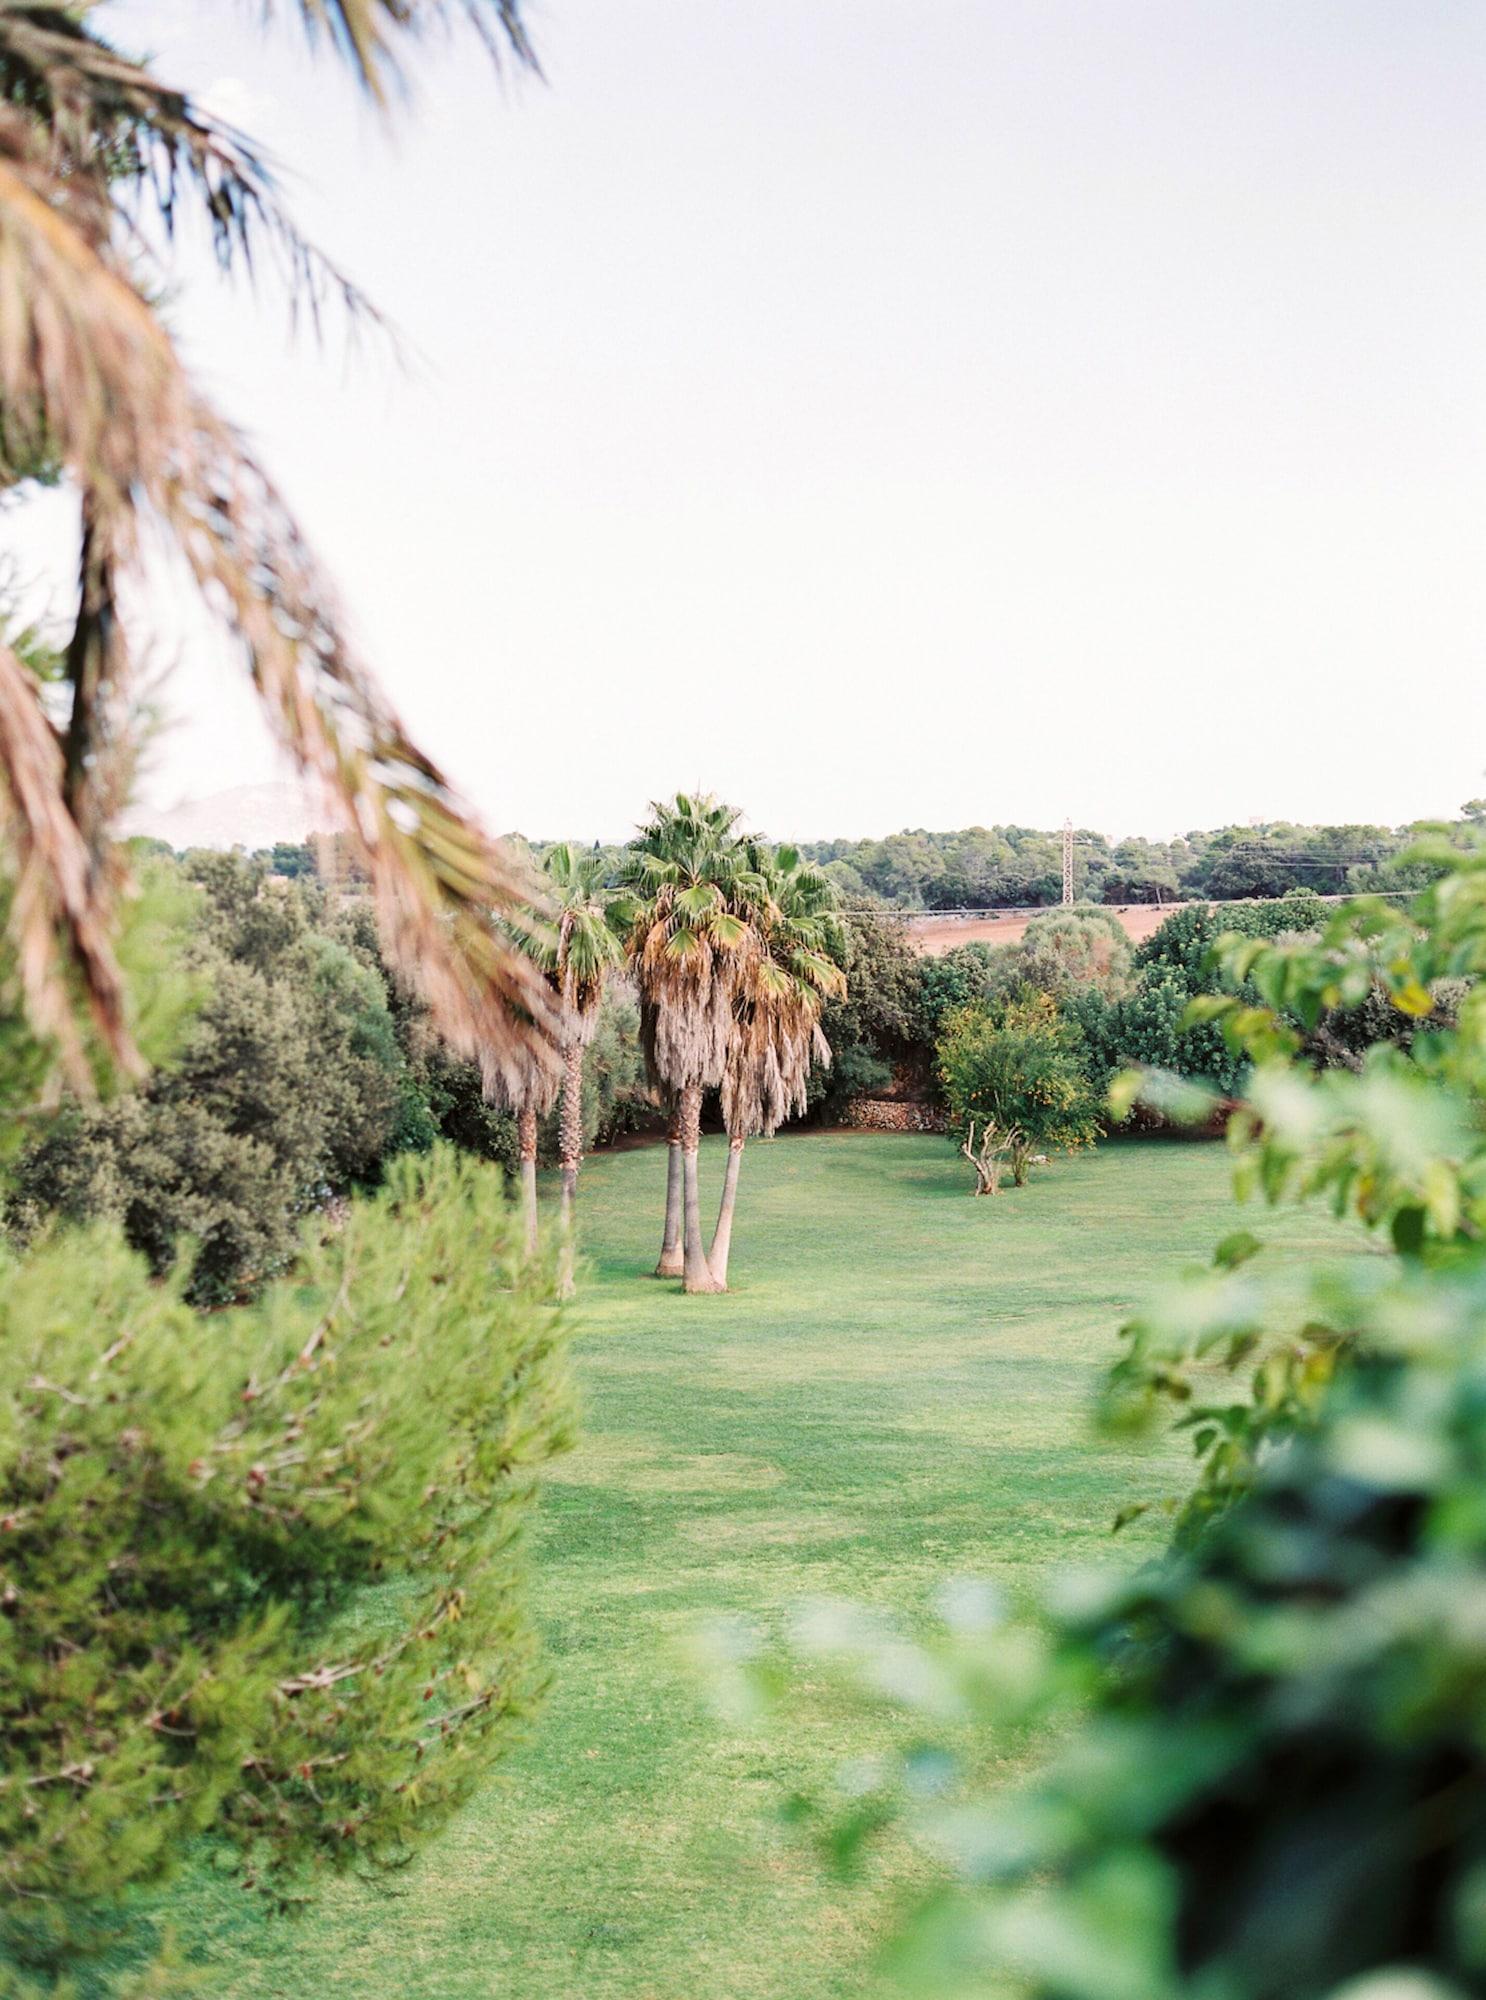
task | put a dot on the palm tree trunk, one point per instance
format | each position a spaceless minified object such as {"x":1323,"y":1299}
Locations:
{"x":526,"y":1148}
{"x":722,"y":1235}
{"x":670,"y":1249}
{"x":570,"y":1157}
{"x":696,"y":1273}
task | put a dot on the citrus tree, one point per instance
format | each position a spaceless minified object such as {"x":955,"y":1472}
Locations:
{"x":1014,"y":1075}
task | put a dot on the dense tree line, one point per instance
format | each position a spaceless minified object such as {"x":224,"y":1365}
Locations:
{"x":1015,"y":866}
{"x":1005,"y":867}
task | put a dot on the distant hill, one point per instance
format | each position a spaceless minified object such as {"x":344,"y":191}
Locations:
{"x":245,"y":816}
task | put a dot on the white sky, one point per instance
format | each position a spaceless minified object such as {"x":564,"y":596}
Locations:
{"x":968,"y":411}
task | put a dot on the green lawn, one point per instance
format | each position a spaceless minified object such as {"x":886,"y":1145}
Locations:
{"x":895,"y":1391}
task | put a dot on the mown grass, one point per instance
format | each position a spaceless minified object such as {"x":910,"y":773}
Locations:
{"x":895,"y":1391}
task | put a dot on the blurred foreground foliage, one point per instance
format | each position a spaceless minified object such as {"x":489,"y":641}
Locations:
{"x":261,"y":1571}
{"x":1271,"y":1775}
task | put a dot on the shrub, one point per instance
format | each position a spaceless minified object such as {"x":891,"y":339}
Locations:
{"x":1182,"y":944}
{"x":289,"y":1084}
{"x":1016,"y":1075}
{"x":1075,"y":950}
{"x":878,"y":1028}
{"x":1149,"y":1028}
{"x":972,"y":975}
{"x":1148,"y":1025}
{"x":261,"y":1574}
{"x":616,"y":1096}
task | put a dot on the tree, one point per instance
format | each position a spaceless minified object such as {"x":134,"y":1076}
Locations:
{"x":790,"y":973}
{"x":287,"y":1084}
{"x":258,"y":1599}
{"x":617,"y":1098}
{"x":877,"y":1025}
{"x":579,"y":949}
{"x":689,"y":948}
{"x":970,"y":975}
{"x":1016,"y":1073}
{"x":1068,"y":951}
{"x":91,"y":384}
{"x":528,"y":1091}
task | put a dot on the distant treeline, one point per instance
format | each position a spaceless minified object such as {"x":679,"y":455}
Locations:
{"x":1001,"y":867}
{"x":1008,"y":867}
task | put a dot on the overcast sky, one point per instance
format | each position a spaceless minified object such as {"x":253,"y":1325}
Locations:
{"x":966,"y":411}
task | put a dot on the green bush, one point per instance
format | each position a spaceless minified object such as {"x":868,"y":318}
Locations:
{"x":617,"y":1099}
{"x":1015,"y":1074}
{"x":289,"y":1084}
{"x":877,"y":1029}
{"x":1078,"y":950}
{"x":261,"y":1572}
{"x":971,"y":975}
{"x":1148,"y":1026}
{"x":1182,"y":945}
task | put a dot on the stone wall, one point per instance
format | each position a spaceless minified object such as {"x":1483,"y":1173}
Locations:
{"x":888,"y":1114}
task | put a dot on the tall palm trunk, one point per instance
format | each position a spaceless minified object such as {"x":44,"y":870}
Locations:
{"x":670,"y":1248}
{"x":722,"y":1235}
{"x":570,"y":1156}
{"x":696,"y":1273}
{"x":526,"y":1148}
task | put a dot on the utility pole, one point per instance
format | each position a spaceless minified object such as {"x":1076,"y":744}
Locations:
{"x":1068,"y":861}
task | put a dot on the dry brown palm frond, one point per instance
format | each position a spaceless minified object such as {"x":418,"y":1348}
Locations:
{"x":60,"y":906}
{"x":98,"y":743}
{"x":687,"y":1009}
{"x":776,"y":1036}
{"x":365,"y":31}
{"x":112,"y":128}
{"x":525,"y":1085}
{"x":84,"y":362}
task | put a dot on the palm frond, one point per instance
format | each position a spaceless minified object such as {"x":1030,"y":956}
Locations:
{"x":84,"y":362}
{"x":698,"y":899}
{"x":365,"y":33}
{"x":97,"y":750}
{"x":112,"y":124}
{"x":61,"y":905}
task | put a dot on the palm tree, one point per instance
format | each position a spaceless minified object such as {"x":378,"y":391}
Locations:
{"x":529,"y":1089}
{"x":670,"y":1263}
{"x":776,"y":1030}
{"x":93,"y":389}
{"x":579,"y":950}
{"x":689,"y":949}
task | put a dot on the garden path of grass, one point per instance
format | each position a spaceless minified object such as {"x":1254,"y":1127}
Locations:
{"x":896,"y":1391}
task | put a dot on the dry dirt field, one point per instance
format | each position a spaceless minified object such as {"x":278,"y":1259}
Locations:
{"x":935,"y":934}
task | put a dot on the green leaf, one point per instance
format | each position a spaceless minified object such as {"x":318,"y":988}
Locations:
{"x":1206,"y":1007}
{"x":1408,"y":1231}
{"x":1236,"y":1249}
